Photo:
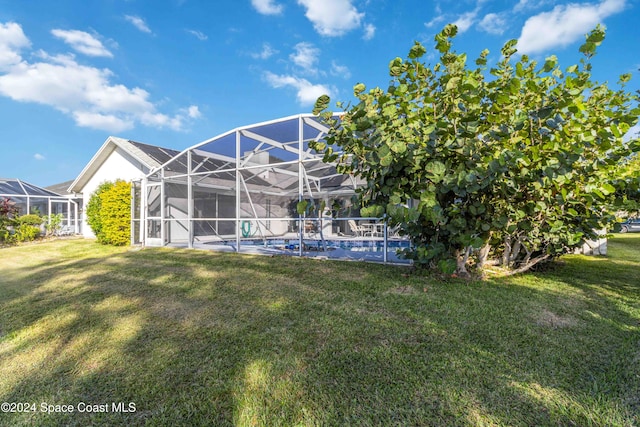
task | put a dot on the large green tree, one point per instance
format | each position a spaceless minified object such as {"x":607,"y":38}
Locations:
{"x":514,"y":164}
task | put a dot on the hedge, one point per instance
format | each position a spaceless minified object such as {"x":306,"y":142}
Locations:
{"x":109,"y":213}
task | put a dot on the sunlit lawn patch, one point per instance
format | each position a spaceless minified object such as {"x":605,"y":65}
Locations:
{"x":205,"y":338}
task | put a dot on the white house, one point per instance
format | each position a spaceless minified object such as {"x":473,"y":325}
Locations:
{"x":118,"y":158}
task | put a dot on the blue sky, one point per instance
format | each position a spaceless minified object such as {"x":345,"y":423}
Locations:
{"x":176,"y":72}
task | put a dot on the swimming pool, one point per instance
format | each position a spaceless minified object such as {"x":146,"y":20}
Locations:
{"x":316,"y":245}
{"x":343,"y":249}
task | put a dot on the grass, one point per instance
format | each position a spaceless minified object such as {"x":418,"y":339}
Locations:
{"x":205,"y":338}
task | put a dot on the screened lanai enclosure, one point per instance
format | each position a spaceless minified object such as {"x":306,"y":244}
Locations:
{"x":241,"y":191}
{"x":31,"y":199}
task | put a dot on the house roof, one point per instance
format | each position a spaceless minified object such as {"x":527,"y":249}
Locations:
{"x":60,"y":188}
{"x":150,"y":156}
{"x":18,"y":188}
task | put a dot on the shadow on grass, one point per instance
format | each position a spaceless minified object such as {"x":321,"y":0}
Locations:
{"x":199,"y":338}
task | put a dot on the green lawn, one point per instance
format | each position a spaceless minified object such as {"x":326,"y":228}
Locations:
{"x":205,"y":338}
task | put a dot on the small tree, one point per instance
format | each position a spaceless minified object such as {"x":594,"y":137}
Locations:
{"x":54,"y":224}
{"x":520,"y":166}
{"x":8,"y":211}
{"x":116,"y":214}
{"x":109,"y":213}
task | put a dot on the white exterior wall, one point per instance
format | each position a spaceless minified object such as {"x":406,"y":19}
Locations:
{"x":118,"y":165}
{"x":594,"y":247}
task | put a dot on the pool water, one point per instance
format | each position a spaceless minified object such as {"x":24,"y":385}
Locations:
{"x":348,"y":245}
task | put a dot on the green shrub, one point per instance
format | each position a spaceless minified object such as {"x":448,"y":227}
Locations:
{"x":8,"y":210}
{"x":94,"y":209}
{"x":7,"y":237}
{"x":116,"y":214}
{"x":54,"y":223}
{"x":30,"y":219}
{"x":27,"y":233}
{"x":109,"y":213}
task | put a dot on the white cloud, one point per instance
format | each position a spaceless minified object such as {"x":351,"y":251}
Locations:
{"x":523,"y":5}
{"x":39,"y":156}
{"x":465,"y":21}
{"x":82,"y":42}
{"x":493,"y":23}
{"x":199,"y":34}
{"x":138,"y":23}
{"x":435,"y":21}
{"x":307,"y":93}
{"x":108,"y":122}
{"x":332,"y":17}
{"x":12,"y":40}
{"x":85,"y":93}
{"x":194,"y":112}
{"x":369,"y":31}
{"x":306,"y":57}
{"x":564,"y":25}
{"x":340,"y":70}
{"x":266,"y":52}
{"x":267,"y":7}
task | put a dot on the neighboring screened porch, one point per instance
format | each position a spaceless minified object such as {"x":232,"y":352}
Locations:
{"x":31,"y":199}
{"x":240,"y":191}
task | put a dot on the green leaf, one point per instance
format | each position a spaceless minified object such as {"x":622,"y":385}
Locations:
{"x":395,"y":199}
{"x":616,"y":132}
{"x":608,"y":188}
{"x":417,"y":51}
{"x":317,"y":145}
{"x":598,"y":193}
{"x":509,"y":48}
{"x":514,"y":85}
{"x":384,"y":151}
{"x":322,"y":103}
{"x":395,"y":67}
{"x":372,"y":211}
{"x":399,"y":147}
{"x":589,"y":49}
{"x":452,"y":83}
{"x":435,"y":168}
{"x":519,"y":70}
{"x":596,"y":36}
{"x":386,"y":161}
{"x":301,"y":207}
{"x":447,"y":266}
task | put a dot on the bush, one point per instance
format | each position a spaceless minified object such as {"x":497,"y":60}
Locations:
{"x":109,"y":213}
{"x":514,"y":165}
{"x":27,"y":233}
{"x":94,"y":207}
{"x":54,"y":224}
{"x":116,"y":214}
{"x":30,"y":219}
{"x":8,"y":210}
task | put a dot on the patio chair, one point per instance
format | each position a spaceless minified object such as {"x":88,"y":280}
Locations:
{"x":358,"y":230}
{"x":310,"y":228}
{"x":394,"y":232}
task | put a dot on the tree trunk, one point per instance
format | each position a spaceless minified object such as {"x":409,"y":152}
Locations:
{"x":482,"y":255}
{"x":515,"y":251}
{"x":506,"y":255}
{"x":461,"y":263}
{"x":528,"y":265}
